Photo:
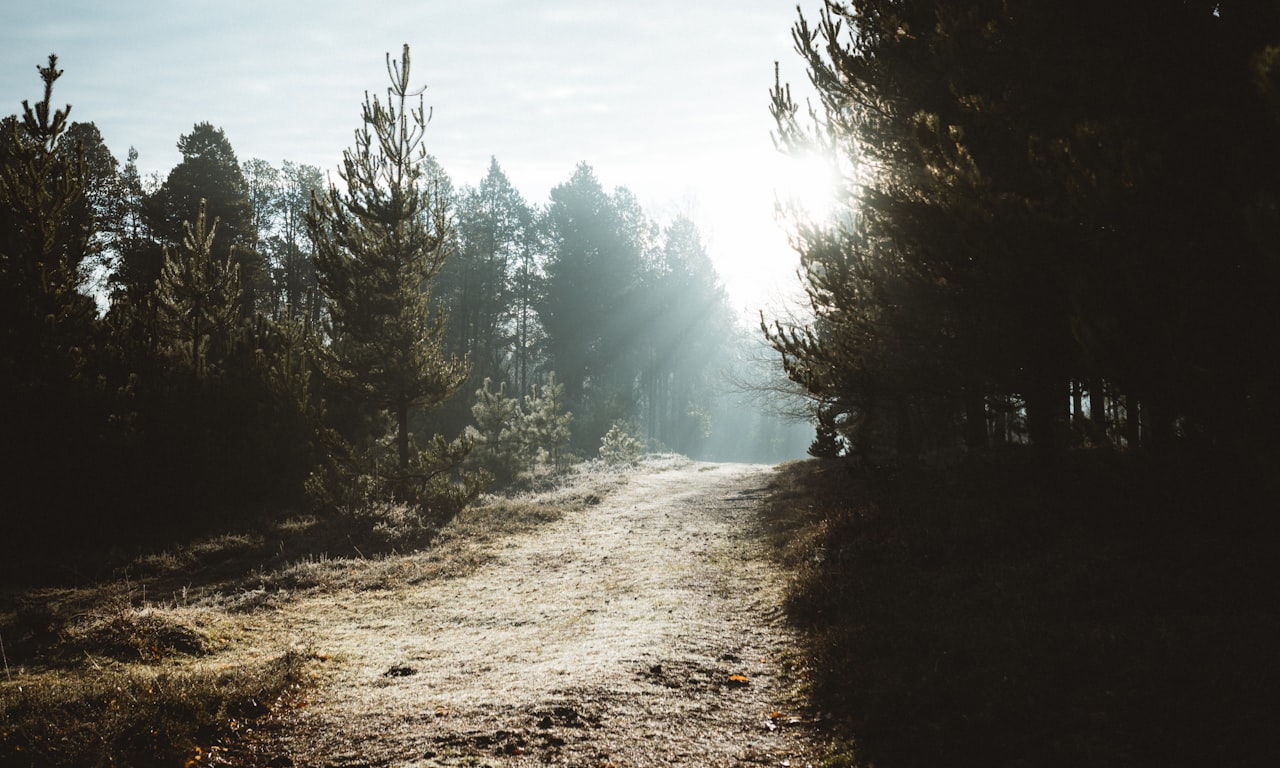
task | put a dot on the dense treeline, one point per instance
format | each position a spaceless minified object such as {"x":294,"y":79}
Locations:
{"x":235,"y":337}
{"x":1060,"y":228}
{"x":629,"y":314}
{"x":1061,"y":225}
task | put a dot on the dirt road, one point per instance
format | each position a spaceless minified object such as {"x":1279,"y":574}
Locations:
{"x":641,"y":630}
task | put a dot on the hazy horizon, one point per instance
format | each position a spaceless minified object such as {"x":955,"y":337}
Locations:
{"x":671,"y":103}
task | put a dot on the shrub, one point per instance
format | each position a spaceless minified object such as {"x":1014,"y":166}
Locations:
{"x":511,"y":438}
{"x":620,"y":448}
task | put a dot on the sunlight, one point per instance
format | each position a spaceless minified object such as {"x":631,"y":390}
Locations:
{"x":807,"y":185}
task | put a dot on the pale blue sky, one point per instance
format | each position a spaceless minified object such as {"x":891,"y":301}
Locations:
{"x":667,"y":97}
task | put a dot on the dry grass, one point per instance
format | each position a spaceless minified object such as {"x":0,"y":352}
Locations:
{"x":139,"y":717}
{"x":159,"y":665}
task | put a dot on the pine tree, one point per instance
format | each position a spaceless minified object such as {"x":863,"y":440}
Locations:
{"x":198,"y":297}
{"x":497,"y":433}
{"x":210,"y":172}
{"x":546,"y":423}
{"x":619,"y":447}
{"x":48,"y":327}
{"x":1019,"y":216}
{"x":380,"y":243}
{"x":46,"y":232}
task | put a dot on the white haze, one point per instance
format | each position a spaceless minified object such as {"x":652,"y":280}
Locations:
{"x":668,"y":98}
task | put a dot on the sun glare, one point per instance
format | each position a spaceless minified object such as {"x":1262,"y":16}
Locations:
{"x":807,"y":185}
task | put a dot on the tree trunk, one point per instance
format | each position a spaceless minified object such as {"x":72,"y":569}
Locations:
{"x":1046,"y":404}
{"x":1132,"y":421}
{"x":1098,"y":409}
{"x":975,"y":419}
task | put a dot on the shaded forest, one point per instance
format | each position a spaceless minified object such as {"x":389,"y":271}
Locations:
{"x":1059,"y":228}
{"x":1041,"y":349}
{"x":228,"y":338}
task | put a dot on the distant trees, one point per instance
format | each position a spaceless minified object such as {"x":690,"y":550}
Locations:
{"x":488,"y":304}
{"x":588,"y":305}
{"x":269,"y":340}
{"x":685,"y":340}
{"x":494,"y":229}
{"x":630,"y":315}
{"x":210,"y":172}
{"x":1040,"y":206}
{"x":291,"y":250}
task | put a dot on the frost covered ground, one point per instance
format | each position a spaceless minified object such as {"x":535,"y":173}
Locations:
{"x":640,"y":628}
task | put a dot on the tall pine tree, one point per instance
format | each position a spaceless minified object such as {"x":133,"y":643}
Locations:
{"x":380,"y":243}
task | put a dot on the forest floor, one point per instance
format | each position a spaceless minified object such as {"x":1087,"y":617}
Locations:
{"x":638,"y":624}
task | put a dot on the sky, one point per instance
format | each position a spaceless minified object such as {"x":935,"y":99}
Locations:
{"x":668,"y":98}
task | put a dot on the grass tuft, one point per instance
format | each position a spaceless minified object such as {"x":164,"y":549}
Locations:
{"x":135,"y":635}
{"x":139,"y":718}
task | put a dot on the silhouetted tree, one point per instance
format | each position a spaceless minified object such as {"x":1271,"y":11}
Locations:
{"x":55,"y":419}
{"x":209,"y":171}
{"x":1018,"y":217}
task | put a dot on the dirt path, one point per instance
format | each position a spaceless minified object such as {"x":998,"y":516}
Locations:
{"x":641,"y":630}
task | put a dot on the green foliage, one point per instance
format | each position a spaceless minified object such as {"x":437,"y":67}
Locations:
{"x":619,"y":448}
{"x":514,"y":438}
{"x":545,"y":426}
{"x":1016,"y":217}
{"x":45,"y":238}
{"x":497,"y":433}
{"x":380,"y":244}
{"x":209,"y":176}
{"x":198,"y":299}
{"x":827,"y":444}
{"x":175,"y":406}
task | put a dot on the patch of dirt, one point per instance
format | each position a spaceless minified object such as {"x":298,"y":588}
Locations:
{"x":641,"y":630}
